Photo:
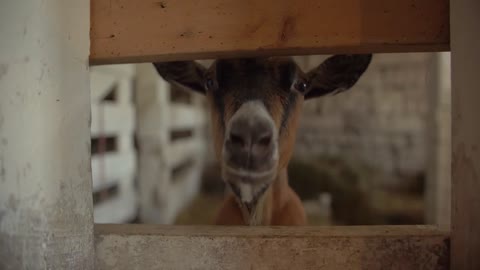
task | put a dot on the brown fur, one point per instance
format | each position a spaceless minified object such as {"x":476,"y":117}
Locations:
{"x":283,"y":207}
{"x":288,"y":137}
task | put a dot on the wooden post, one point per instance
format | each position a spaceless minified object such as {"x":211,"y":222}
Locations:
{"x":153,"y":114}
{"x":465,"y":44}
{"x":162,"y":192}
{"x":115,"y":119}
{"x":46,"y":217}
{"x":438,"y":187}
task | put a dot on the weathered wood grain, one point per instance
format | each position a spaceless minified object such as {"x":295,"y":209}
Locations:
{"x":216,"y":247}
{"x":465,"y":135}
{"x":147,"y":30}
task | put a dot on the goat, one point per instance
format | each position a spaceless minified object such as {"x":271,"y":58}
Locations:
{"x":255,"y":104}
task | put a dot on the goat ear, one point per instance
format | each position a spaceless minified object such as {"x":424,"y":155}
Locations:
{"x":336,"y":74}
{"x":188,"y":74}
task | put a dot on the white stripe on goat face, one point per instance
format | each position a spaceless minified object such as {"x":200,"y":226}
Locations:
{"x":250,"y":155}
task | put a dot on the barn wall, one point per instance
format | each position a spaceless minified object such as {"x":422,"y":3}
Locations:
{"x":381,"y":121}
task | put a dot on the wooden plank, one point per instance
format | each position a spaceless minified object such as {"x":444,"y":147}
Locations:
{"x":438,"y":184}
{"x":100,"y":85}
{"x":186,"y":116}
{"x":125,"y":142}
{"x":216,"y":247}
{"x":125,"y":91}
{"x":465,"y":135}
{"x":182,"y":189}
{"x":152,"y":103}
{"x":182,"y":150}
{"x":104,"y":78}
{"x":114,"y":166}
{"x":119,"y":209}
{"x":146,"y":30}
{"x":116,"y":119}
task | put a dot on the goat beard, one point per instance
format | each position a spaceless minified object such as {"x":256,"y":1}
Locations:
{"x":260,"y":211}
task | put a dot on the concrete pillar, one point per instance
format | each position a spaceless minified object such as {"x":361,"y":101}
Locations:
{"x":46,"y":217}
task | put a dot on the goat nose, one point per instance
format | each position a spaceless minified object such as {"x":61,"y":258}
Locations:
{"x":250,"y":144}
{"x":250,"y":135}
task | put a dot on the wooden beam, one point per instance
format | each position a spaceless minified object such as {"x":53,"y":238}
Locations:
{"x":147,"y":30}
{"x":215,"y":247}
{"x":465,"y":135}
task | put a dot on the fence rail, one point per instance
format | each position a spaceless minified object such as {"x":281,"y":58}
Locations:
{"x":113,"y":153}
{"x":171,"y":146}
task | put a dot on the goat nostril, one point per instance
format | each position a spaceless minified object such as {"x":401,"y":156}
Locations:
{"x":237,"y":139}
{"x":265,"y":140}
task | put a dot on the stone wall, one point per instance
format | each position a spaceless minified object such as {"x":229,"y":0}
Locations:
{"x":381,"y":120}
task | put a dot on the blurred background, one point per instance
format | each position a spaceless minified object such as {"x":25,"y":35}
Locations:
{"x":377,"y":154}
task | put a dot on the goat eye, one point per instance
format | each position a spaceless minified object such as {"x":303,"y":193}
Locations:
{"x":209,"y":84}
{"x":301,"y":86}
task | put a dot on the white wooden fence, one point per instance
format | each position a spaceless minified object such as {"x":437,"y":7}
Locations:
{"x":113,"y":153}
{"x":171,"y":146}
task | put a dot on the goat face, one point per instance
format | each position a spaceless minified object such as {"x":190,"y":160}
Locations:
{"x":255,"y":105}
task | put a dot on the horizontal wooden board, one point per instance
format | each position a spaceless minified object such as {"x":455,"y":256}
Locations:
{"x":119,"y":209}
{"x":111,"y":167}
{"x":217,"y":247}
{"x":186,"y":116}
{"x":185,"y":149}
{"x":110,"y":119}
{"x":150,"y":30}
